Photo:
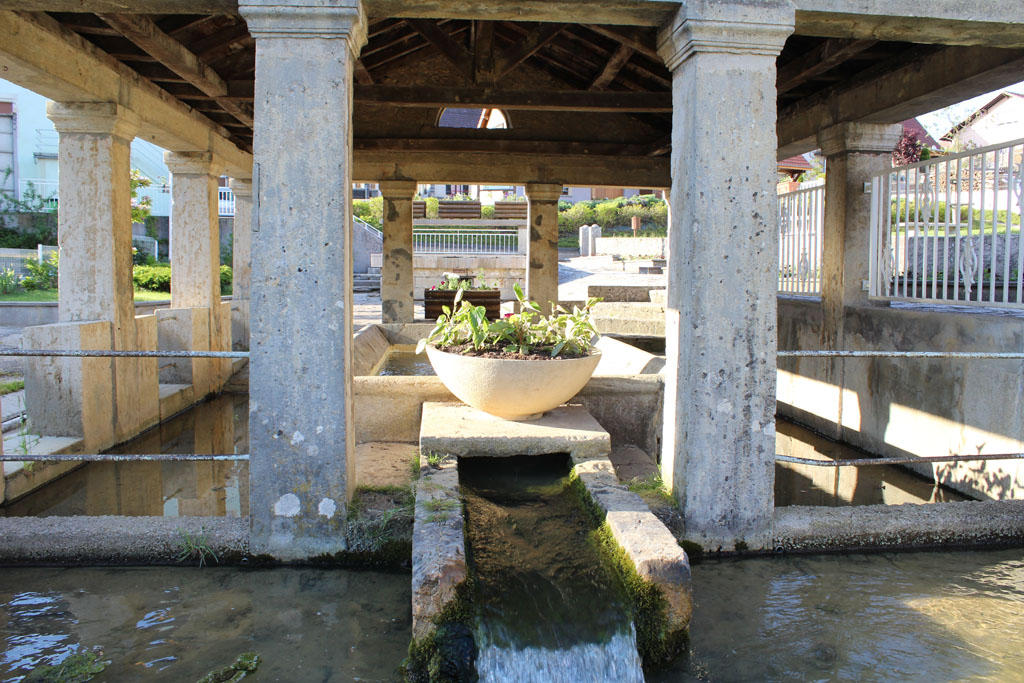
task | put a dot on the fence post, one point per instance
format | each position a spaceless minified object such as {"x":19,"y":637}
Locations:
{"x":39,"y":253}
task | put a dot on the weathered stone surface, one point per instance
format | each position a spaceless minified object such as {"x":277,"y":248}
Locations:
{"x":71,"y":396}
{"x":380,"y":463}
{"x":542,"y":272}
{"x":624,"y":293}
{"x":302,"y":459}
{"x":647,"y":542}
{"x":241,"y":238}
{"x":459,"y":430}
{"x":869,"y":527}
{"x":175,"y":398}
{"x":185,"y":329}
{"x":630,"y":319}
{"x":369,"y":347}
{"x":719,"y":437}
{"x":396,"y":281}
{"x":147,"y":400}
{"x":619,"y":358}
{"x":438,"y":543}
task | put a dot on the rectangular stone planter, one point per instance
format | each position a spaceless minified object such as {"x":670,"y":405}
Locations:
{"x":434,"y":299}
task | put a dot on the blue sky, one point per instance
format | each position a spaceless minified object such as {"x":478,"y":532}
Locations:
{"x":937,"y":123}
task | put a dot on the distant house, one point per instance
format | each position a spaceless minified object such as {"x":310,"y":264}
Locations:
{"x":914,"y":127}
{"x":1000,"y":120}
{"x":28,"y":147}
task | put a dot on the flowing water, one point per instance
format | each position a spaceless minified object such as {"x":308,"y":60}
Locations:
{"x":158,"y":624}
{"x":548,"y":609}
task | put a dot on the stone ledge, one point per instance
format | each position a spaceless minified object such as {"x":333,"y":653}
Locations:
{"x":438,"y":544}
{"x":654,"y":551}
{"x":456,"y":429}
{"x":801,"y":528}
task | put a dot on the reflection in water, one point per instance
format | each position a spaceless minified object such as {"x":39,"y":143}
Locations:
{"x":829,"y":486}
{"x":403,"y":360}
{"x":912,"y":616}
{"x":169,"y":489}
{"x":178,"y":624}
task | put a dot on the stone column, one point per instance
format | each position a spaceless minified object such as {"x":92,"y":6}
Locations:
{"x":241,"y":262}
{"x":720,"y":327}
{"x":94,"y":221}
{"x":853,"y":152}
{"x":195,"y":262}
{"x":396,"y":279}
{"x":301,"y":441}
{"x":542,"y":261}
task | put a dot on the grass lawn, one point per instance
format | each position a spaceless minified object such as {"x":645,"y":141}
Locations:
{"x":51,"y":295}
{"x":11,"y":387}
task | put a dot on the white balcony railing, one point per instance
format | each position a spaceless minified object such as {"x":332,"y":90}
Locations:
{"x":464,"y":241}
{"x":46,"y":190}
{"x":225,"y":202}
{"x":801,"y":221}
{"x":949,"y":230}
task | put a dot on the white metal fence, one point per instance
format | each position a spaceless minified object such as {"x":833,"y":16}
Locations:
{"x":949,"y":229}
{"x":464,"y":241}
{"x":14,"y":259}
{"x":801,"y":221}
{"x":225,"y":202}
{"x":45,"y":190}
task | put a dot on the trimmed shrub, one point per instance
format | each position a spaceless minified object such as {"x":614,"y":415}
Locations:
{"x":225,"y":279}
{"x":153,"y":278}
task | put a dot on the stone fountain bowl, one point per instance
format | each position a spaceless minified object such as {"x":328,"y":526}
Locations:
{"x":513,"y":389}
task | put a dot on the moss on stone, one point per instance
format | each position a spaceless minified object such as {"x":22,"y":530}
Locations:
{"x":76,"y":668}
{"x":657,"y":643}
{"x":448,"y":652}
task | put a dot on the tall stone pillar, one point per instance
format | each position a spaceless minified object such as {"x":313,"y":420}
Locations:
{"x":542,"y":261}
{"x":195,"y":264}
{"x":853,"y":153}
{"x":720,"y":328}
{"x":301,"y":441}
{"x":241,"y":262}
{"x":95,"y":217}
{"x":396,"y":279}
{"x":101,"y":400}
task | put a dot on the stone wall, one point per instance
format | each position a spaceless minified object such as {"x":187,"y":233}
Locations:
{"x":899,"y":407}
{"x":506,"y":270}
{"x":632,"y":246}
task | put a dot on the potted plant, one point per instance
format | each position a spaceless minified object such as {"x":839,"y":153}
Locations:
{"x":517,"y":367}
{"x":443,"y":294}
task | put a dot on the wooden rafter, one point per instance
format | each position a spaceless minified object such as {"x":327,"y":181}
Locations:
{"x":458,"y":55}
{"x":169,"y":52}
{"x":629,"y":41}
{"x":532,"y":41}
{"x":612,"y":67}
{"x":220,"y":44}
{"x":828,"y":55}
{"x":361,"y":75}
{"x":483,"y":52}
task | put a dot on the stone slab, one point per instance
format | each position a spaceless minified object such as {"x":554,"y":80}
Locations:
{"x":369,"y":347}
{"x":653,"y":549}
{"x":19,"y":479}
{"x":456,"y":429}
{"x":438,"y":543}
{"x":384,"y":464}
{"x":631,"y":462}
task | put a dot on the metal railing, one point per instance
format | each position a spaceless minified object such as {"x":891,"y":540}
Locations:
{"x":46,"y":190}
{"x":14,"y":259}
{"x":464,"y":241}
{"x":949,"y":229}
{"x":225,"y":202}
{"x":801,"y":226}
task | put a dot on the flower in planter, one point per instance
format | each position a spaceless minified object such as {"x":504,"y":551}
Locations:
{"x":467,"y":330}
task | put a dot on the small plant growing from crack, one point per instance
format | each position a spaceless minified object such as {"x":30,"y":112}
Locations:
{"x":195,"y":548}
{"x":435,"y":459}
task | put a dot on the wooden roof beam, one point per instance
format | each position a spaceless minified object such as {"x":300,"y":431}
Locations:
{"x":530,"y":100}
{"x":612,"y":67}
{"x":459,"y":56}
{"x":147,"y":35}
{"x":533,"y":40}
{"x":828,"y":55}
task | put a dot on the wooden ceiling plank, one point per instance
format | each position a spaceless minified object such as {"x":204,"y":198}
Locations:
{"x":828,"y":55}
{"x":147,"y":35}
{"x":535,"y":100}
{"x":458,"y":55}
{"x":533,"y":40}
{"x":623,"y":39}
{"x":483,"y":52}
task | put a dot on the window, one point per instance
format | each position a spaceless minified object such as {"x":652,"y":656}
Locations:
{"x":455,"y":117}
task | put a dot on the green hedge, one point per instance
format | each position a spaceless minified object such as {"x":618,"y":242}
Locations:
{"x":612,"y":213}
{"x":158,"y":278}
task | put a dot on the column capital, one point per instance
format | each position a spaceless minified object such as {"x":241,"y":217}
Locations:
{"x":327,"y":19}
{"x":543,"y":192}
{"x":859,"y":137}
{"x":728,"y":27}
{"x":100,"y":118}
{"x":241,"y":187}
{"x":190,"y":163}
{"x":398,"y":189}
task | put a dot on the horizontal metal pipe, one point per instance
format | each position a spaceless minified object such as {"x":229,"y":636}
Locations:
{"x":84,"y":353}
{"x":121,"y":457}
{"x":870,"y":462}
{"x":972,"y":355}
